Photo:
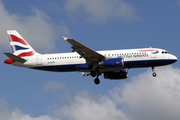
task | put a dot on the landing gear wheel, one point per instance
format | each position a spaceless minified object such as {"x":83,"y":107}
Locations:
{"x":96,"y":81}
{"x":93,"y":73}
{"x":154,"y":74}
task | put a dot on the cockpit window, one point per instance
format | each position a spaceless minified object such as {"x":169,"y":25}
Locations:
{"x":165,"y":52}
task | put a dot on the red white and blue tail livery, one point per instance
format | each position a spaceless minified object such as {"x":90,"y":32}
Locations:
{"x":112,"y":63}
{"x":19,"y":46}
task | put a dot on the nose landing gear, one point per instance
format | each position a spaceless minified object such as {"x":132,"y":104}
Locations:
{"x":153,"y":74}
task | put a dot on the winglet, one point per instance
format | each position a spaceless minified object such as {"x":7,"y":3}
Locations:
{"x":65,"y":38}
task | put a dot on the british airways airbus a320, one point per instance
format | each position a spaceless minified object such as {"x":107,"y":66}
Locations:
{"x":112,"y":63}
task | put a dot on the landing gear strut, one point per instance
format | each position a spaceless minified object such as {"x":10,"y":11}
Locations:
{"x":95,"y":72}
{"x":153,"y":74}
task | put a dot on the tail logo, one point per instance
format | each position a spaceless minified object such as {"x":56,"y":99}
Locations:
{"x":19,"y":46}
{"x":26,"y":54}
{"x":13,"y":38}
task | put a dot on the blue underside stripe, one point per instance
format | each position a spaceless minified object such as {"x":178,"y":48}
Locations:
{"x":127,"y":64}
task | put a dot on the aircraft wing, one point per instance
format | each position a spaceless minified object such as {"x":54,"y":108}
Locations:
{"x":90,"y":55}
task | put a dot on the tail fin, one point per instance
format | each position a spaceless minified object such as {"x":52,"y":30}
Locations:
{"x":19,"y":46}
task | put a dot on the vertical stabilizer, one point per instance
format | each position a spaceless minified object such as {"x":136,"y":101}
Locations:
{"x":18,"y":44}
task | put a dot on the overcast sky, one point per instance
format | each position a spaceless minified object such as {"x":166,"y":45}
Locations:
{"x":27,"y":94}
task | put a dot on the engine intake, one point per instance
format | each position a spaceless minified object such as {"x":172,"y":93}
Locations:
{"x":114,"y":62}
{"x":119,"y":74}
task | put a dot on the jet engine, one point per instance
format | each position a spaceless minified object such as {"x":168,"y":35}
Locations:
{"x":114,"y":62}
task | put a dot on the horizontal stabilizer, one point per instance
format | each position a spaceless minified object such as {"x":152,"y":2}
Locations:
{"x":14,"y":57}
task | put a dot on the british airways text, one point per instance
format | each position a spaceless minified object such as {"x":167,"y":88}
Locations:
{"x":133,"y":56}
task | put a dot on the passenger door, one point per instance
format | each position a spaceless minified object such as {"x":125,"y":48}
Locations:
{"x":39,"y":60}
{"x":152,"y":54}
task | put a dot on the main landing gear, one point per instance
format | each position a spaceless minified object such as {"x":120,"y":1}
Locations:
{"x":96,"y":81}
{"x":153,"y":74}
{"x":93,"y":74}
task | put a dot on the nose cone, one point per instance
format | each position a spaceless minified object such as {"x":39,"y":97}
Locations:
{"x":173,"y":59}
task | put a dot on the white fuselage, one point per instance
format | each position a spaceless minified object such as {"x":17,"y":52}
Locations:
{"x":133,"y":58}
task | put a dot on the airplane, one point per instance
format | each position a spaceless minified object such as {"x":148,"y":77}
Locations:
{"x":114,"y":64}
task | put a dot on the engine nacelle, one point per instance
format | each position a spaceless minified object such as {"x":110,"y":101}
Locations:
{"x":114,"y":62}
{"x":119,"y":74}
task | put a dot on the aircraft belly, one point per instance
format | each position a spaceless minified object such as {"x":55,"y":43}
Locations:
{"x":58,"y":68}
{"x":147,"y":63}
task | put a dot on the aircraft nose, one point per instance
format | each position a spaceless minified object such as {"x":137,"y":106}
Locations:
{"x":174,"y":58}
